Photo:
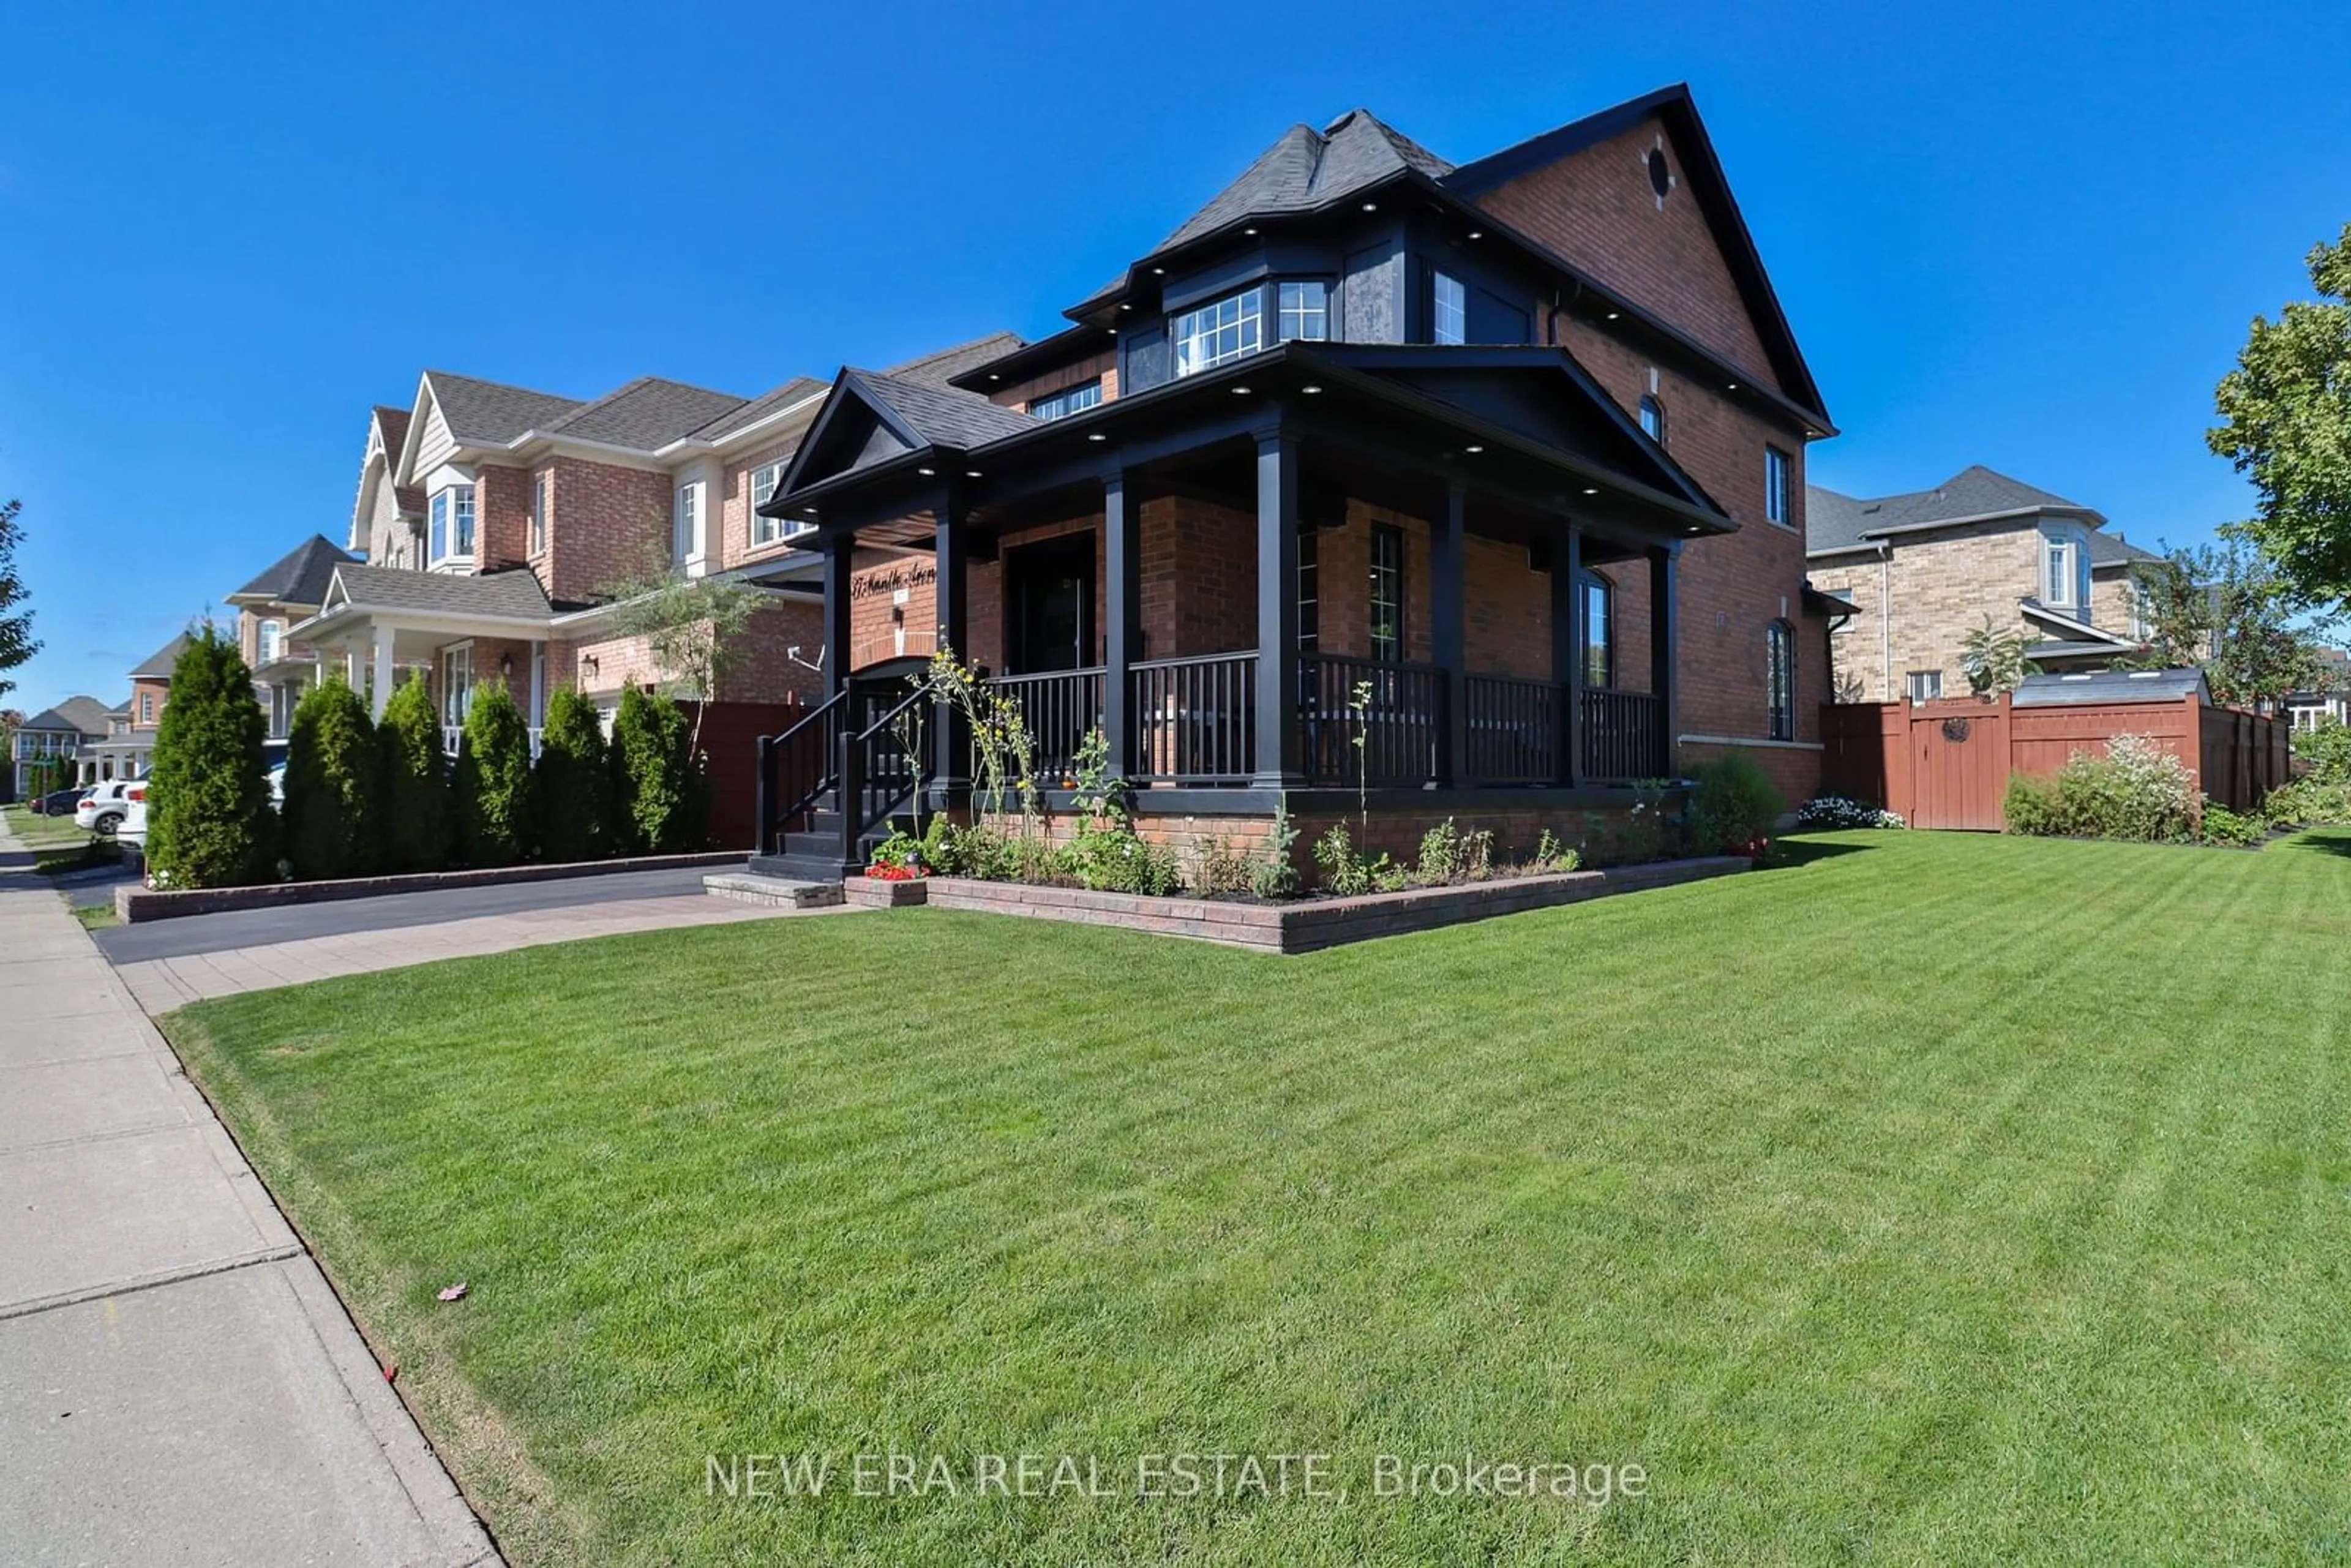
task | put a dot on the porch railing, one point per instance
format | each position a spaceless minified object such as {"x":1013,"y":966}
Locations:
{"x":1623,"y":735}
{"x":1195,"y":719}
{"x":1058,"y":707}
{"x":877,"y":771}
{"x":453,"y":734}
{"x":1401,"y":725}
{"x":1512,"y":729}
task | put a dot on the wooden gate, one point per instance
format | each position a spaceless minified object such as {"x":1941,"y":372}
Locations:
{"x":1959,"y":764}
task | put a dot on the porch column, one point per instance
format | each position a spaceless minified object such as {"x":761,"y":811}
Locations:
{"x":1277,"y":612}
{"x":839,"y":550}
{"x":538,"y":685}
{"x":1661,"y":652}
{"x":1567,"y":643}
{"x":1122,"y":605}
{"x":951,"y":747}
{"x":1446,"y":544}
{"x":381,"y":673}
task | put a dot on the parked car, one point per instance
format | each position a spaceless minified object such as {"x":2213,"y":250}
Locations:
{"x":102,"y":809}
{"x":57,"y":802}
{"x":132,"y":829}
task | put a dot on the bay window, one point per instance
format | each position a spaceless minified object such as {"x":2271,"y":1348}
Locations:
{"x":1449,"y":310}
{"x":1302,"y":311}
{"x":1219,"y":331}
{"x":452,"y":524}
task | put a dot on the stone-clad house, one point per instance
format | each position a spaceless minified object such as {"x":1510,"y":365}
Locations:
{"x":1921,"y":570}
{"x":1515,"y":446}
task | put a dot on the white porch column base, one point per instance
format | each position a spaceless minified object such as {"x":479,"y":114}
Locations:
{"x":383,"y":671}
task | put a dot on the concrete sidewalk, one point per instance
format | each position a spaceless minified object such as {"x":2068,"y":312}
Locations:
{"x":177,"y":1382}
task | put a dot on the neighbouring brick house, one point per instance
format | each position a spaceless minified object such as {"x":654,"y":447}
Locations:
{"x":60,"y":740}
{"x":288,"y":592}
{"x":492,"y":520}
{"x":1515,"y":446}
{"x":128,"y":746}
{"x":1921,"y":570}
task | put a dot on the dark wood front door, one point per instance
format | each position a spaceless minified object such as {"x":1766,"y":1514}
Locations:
{"x":1050,"y":606}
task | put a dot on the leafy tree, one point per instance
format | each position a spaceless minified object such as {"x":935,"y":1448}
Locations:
{"x":2227,"y":612}
{"x":16,"y":643}
{"x":2285,"y":415}
{"x":662,"y":804}
{"x":1994,"y":660}
{"x":575,"y":780}
{"x":329,"y":808}
{"x":209,"y":819}
{"x":413,"y":783}
{"x":690,"y":624}
{"x":495,"y":802}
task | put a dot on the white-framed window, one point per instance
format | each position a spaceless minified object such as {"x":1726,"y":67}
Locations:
{"x":146,"y":707}
{"x":1925,"y":685}
{"x":1449,"y":321}
{"x":2142,"y":625}
{"x":1219,"y":331}
{"x":456,"y":683}
{"x":1068,"y":400}
{"x":2064,"y":570}
{"x":265,"y":641}
{"x":1302,"y":311}
{"x":452,"y":524}
{"x":1776,"y":464}
{"x":765,"y":481}
{"x":689,"y":521}
{"x":1653,"y":419}
{"x":542,"y":498}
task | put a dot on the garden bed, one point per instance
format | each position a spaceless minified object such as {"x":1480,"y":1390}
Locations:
{"x":1304,"y":925}
{"x":137,"y":903}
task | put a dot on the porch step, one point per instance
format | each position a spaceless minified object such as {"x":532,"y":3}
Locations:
{"x":774,"y":892}
{"x":822,"y":865}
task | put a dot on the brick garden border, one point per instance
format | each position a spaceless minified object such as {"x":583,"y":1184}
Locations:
{"x":1308,"y":925}
{"x":138,"y":904}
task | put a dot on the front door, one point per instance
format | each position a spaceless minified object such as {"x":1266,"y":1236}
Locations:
{"x":1050,"y":611}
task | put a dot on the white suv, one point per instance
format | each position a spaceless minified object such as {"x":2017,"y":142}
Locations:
{"x":132,"y":829}
{"x":102,"y":810}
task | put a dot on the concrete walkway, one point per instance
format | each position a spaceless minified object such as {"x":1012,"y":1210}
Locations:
{"x":215,"y":955}
{"x":177,"y":1382}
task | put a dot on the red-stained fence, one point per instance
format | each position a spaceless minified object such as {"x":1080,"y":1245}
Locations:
{"x":730,"y":737}
{"x":1946,"y":764}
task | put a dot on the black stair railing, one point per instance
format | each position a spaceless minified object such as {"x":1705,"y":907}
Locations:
{"x":797,"y":770}
{"x":877,"y":772}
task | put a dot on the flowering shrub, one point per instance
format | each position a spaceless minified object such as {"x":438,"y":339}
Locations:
{"x":1826,"y":812}
{"x":2137,"y":790}
{"x":883,"y":871}
{"x":898,"y":858}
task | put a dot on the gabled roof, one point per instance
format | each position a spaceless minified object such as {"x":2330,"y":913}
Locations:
{"x":298,"y":577}
{"x":645,"y":416}
{"x":1834,"y":521}
{"x":798,"y":390}
{"x":2071,"y":628}
{"x":506,"y":595}
{"x":872,"y":417}
{"x":158,"y":666}
{"x":392,"y":424}
{"x":81,"y":716}
{"x":491,"y":413}
{"x":2113,"y":549}
{"x":944,"y":365}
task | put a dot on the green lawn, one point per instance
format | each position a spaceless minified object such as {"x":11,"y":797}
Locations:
{"x":44,"y":833}
{"x":1941,"y":1199}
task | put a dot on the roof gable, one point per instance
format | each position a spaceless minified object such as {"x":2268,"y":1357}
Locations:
{"x":491,"y":413}
{"x":873,"y":417}
{"x":1306,"y":169}
{"x":505,"y":595}
{"x":298,"y":577}
{"x":159,"y":664}
{"x":1517,"y":183}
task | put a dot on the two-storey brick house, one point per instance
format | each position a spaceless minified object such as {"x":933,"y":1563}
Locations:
{"x":287,"y":592}
{"x":1514,"y":447}
{"x":1920,"y":570}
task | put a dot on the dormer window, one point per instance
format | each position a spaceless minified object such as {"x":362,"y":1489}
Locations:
{"x":452,"y":525}
{"x":1068,"y":400}
{"x":1220,"y":331}
{"x":1303,"y":310}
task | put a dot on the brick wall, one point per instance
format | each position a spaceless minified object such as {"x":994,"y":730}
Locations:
{"x":603,"y":522}
{"x":1598,"y":209}
{"x":501,"y":517}
{"x":1017,"y":394}
{"x":732,"y":510}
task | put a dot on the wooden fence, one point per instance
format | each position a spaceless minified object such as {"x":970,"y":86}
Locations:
{"x":730,"y":738}
{"x":1946,"y":764}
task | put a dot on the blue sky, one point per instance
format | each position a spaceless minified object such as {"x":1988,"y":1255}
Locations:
{"x":2030,"y":235}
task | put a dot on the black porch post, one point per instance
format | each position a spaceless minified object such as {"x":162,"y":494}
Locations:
{"x":1662,"y":649}
{"x":1447,"y":611}
{"x":838,"y":552}
{"x":952,"y":563}
{"x":1277,"y":612}
{"x":1567,"y":644}
{"x":1123,"y":602}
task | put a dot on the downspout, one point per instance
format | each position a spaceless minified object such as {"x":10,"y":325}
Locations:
{"x":1885,"y":619}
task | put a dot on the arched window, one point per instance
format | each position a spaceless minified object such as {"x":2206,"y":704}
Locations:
{"x":1653,"y":419}
{"x":1781,"y":677}
{"x":1596,"y":602}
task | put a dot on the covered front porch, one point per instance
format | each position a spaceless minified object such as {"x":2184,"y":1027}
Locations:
{"x":1315,"y":577}
{"x":456,"y":634}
